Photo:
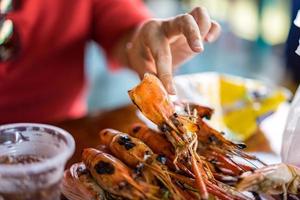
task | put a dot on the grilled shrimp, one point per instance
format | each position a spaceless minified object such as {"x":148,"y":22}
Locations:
{"x":273,"y":179}
{"x":160,"y":145}
{"x":113,"y":176}
{"x":137,"y":154}
{"x":152,"y":99}
{"x":131,"y":151}
{"x":155,"y":140}
{"x":181,"y":130}
{"x":79,"y":177}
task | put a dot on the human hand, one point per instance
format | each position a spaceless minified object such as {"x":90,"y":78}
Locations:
{"x":159,"y":45}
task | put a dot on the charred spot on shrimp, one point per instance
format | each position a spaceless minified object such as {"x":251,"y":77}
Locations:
{"x":82,"y":171}
{"x":136,"y":129}
{"x":165,"y":128}
{"x":213,"y":139}
{"x":126,"y":142}
{"x":241,"y":145}
{"x":162,"y":159}
{"x":105,"y":132}
{"x":104,"y":168}
{"x":139,"y":168}
{"x":207,"y":116}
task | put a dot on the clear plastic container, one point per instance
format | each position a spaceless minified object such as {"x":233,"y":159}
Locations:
{"x":290,"y":151}
{"x":32,"y":161}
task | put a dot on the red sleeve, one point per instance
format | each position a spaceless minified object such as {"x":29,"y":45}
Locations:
{"x":113,"y":18}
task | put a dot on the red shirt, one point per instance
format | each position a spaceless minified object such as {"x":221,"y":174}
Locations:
{"x":46,"y":81}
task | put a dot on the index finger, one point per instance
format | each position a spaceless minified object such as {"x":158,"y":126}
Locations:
{"x":161,"y":53}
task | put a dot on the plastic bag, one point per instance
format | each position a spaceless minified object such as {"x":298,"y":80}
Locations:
{"x":297,"y":23}
{"x":290,"y":150}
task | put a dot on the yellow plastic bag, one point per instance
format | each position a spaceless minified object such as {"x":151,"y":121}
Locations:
{"x":240,"y":104}
{"x":245,"y":104}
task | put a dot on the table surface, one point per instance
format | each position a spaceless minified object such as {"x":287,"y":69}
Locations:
{"x":85,"y":130}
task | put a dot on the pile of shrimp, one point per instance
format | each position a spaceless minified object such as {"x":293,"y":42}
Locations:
{"x":184,"y":159}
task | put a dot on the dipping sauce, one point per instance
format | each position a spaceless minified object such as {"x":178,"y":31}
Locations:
{"x":51,"y":192}
{"x":20,"y":159}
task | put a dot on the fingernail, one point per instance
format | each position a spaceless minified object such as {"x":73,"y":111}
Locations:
{"x":171,"y":89}
{"x":198,"y":45}
{"x":208,"y":38}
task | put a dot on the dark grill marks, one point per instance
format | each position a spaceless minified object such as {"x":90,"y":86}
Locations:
{"x":162,"y":159}
{"x":207,"y":116}
{"x":104,"y":168}
{"x":126,"y":142}
{"x":213,"y":139}
{"x":164,"y":128}
{"x":82,"y":171}
{"x":138,"y":169}
{"x":136,"y":129}
{"x":241,"y":145}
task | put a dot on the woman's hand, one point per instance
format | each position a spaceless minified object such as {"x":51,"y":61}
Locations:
{"x":158,"y":46}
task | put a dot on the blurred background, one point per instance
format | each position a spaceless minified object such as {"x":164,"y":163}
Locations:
{"x":252,"y":44}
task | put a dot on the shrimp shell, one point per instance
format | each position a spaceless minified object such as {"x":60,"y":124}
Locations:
{"x":134,"y":152}
{"x":113,"y":176}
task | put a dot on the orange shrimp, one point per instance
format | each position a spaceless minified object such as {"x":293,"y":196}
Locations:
{"x":159,"y":144}
{"x":152,"y":99}
{"x":155,"y":140}
{"x":151,"y":90}
{"x":133,"y":152}
{"x":183,"y":131}
{"x":113,"y":176}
